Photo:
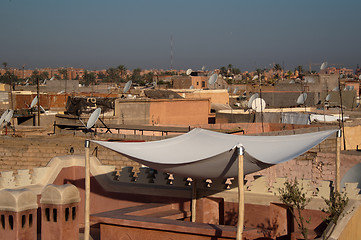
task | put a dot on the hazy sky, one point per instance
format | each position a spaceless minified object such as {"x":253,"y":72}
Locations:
{"x":249,"y":34}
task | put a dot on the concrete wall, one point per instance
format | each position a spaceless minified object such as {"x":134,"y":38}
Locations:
{"x":29,"y":153}
{"x":215,"y":96}
{"x":185,"y":112}
{"x":132,"y":112}
{"x":164,"y":111}
{"x":181,"y":82}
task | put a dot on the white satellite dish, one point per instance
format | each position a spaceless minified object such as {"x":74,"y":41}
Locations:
{"x":328,"y":97}
{"x":3,"y":116}
{"x":323,"y":66}
{"x":258,"y":104}
{"x":34,"y":102}
{"x":251,"y":99}
{"x":336,"y":89}
{"x":9,"y":116}
{"x":189,"y":71}
{"x":203,"y":68}
{"x":93,"y":118}
{"x":292,"y":81}
{"x":51,"y":79}
{"x":302,"y":99}
{"x":235,"y":90}
{"x":127,"y":86}
{"x":191,"y":87}
{"x":255,"y":77}
{"x":213,"y":79}
{"x":42,"y":109}
{"x":359,"y":77}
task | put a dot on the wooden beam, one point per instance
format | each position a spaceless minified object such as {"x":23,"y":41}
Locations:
{"x":240,"y":222}
{"x":87,"y":191}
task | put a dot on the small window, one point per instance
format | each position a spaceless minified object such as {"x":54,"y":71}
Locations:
{"x":23,"y":220}
{"x":55,"y":215}
{"x":30,"y":220}
{"x":203,"y":84}
{"x":67,"y":211}
{"x":3,"y":221}
{"x":11,"y":222}
{"x":73,"y":212}
{"x":47,"y":214}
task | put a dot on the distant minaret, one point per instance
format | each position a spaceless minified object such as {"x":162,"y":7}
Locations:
{"x":171,"y":52}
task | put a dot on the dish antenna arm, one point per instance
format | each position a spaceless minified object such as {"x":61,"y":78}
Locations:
{"x":108,"y":129}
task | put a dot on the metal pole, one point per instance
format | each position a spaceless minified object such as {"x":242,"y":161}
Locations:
{"x":194,"y":200}
{"x":240,"y":222}
{"x":87,"y":191}
{"x":341,"y":121}
{"x":38,"y":96}
{"x":338,"y":162}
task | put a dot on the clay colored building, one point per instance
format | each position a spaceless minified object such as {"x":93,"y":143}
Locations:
{"x":163,"y":111}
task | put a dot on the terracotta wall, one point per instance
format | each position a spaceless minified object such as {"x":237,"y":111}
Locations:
{"x":185,"y":112}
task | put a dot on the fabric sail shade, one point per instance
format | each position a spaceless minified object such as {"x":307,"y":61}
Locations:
{"x":206,"y":154}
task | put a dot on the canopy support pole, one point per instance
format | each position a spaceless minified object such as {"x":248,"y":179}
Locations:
{"x":194,"y":199}
{"x":240,"y":222}
{"x":87,"y":191}
{"x":338,"y":162}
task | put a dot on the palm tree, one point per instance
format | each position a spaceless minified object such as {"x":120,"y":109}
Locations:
{"x":5,"y":64}
{"x":63,"y":72}
{"x":277,"y":67}
{"x":122,"y":69}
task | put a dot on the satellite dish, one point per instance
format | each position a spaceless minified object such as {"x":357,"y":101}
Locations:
{"x":292,"y":81}
{"x":51,"y":79}
{"x":302,"y":99}
{"x":359,"y":77}
{"x":191,"y":87}
{"x":9,"y":116}
{"x":298,"y":79}
{"x":213,"y":79}
{"x":93,"y":118}
{"x":34,"y":102}
{"x":255,"y":77}
{"x":336,"y":89}
{"x":258,"y":104}
{"x":203,"y":68}
{"x":235,"y":90}
{"x":42,"y":109}
{"x":323,"y":66}
{"x":328,"y":97}
{"x":189,"y":71}
{"x":127,"y":86}
{"x":251,"y":99}
{"x":3,"y":116}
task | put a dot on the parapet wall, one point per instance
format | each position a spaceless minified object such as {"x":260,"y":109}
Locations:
{"x":29,"y":153}
{"x":147,"y":180}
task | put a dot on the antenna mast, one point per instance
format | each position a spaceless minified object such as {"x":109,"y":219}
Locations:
{"x":171,"y":52}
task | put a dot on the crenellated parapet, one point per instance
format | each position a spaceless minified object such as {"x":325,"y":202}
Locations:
{"x":127,"y":179}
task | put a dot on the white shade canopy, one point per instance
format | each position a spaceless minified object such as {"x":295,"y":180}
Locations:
{"x":206,"y":154}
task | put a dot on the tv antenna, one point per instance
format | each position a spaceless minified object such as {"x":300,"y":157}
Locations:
{"x":258,"y":104}
{"x":127,"y":86}
{"x":301,"y":99}
{"x":323,"y":66}
{"x":2,"y":118}
{"x":93,"y":119}
{"x":6,"y":118}
{"x":189,"y":71}
{"x":213,"y":79}
{"x":251,"y":99}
